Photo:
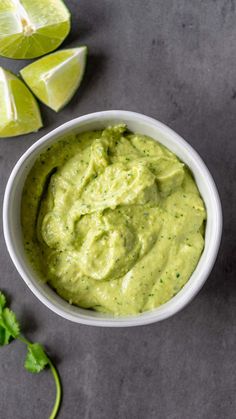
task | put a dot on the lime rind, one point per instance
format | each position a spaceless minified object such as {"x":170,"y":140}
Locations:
{"x":55,"y":78}
{"x":19,"y":110}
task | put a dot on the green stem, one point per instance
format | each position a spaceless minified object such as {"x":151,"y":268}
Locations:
{"x":24,"y":340}
{"x":58,"y":390}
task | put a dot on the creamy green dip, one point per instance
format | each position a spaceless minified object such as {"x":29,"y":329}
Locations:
{"x":112,"y":220}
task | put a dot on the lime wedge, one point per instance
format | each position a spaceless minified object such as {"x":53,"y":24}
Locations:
{"x":55,"y":78}
{"x":19,"y":110}
{"x":31,"y":28}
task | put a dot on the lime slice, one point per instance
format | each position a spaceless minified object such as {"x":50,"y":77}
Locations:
{"x":19,"y":110}
{"x":55,"y":78}
{"x":31,"y":28}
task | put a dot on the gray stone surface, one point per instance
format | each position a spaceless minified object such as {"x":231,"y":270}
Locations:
{"x":173,"y":60}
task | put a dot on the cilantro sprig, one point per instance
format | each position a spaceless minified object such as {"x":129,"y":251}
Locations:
{"x":36,"y":358}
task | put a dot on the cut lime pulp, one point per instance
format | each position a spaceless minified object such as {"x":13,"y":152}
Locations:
{"x":19,"y":110}
{"x":31,"y":28}
{"x":55,"y":77}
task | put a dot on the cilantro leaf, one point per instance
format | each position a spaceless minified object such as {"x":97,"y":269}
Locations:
{"x":9,"y":326}
{"x":9,"y":322}
{"x":4,"y":336}
{"x":2,"y":302}
{"x":36,"y":358}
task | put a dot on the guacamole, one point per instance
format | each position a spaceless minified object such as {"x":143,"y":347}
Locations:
{"x":112,"y":220}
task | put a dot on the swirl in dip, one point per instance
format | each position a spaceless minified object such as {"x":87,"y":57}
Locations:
{"x":112,"y":220}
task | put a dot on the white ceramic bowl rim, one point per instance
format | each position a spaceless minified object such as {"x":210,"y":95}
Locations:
{"x":145,"y":125}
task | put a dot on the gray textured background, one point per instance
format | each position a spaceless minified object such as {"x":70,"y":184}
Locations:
{"x":174,"y":60}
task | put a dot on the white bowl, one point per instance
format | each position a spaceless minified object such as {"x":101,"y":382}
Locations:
{"x":143,"y":125}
